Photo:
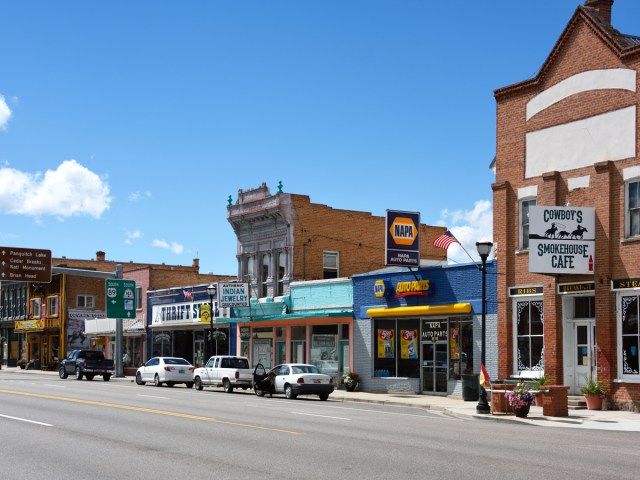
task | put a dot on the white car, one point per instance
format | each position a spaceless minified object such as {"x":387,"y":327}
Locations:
{"x":168,"y":370}
{"x":292,"y":379}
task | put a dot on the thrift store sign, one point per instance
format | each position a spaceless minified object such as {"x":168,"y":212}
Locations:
{"x":562,"y":239}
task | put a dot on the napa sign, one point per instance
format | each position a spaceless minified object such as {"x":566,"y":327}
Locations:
{"x":562,"y":239}
{"x":402,"y":239}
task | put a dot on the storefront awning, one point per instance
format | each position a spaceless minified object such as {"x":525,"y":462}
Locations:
{"x":419,"y":311}
{"x":296,"y":316}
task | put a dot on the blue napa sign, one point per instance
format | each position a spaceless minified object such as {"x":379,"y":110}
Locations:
{"x":402,"y":239}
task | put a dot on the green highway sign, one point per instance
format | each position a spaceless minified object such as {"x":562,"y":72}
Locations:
{"x":121,"y":298}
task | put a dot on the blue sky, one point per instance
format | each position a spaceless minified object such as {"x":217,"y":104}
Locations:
{"x":124,"y":126}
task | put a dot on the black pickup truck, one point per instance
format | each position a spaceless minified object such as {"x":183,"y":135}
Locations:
{"x":87,"y":364}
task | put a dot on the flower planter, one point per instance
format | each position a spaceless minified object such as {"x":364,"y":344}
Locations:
{"x":350,"y":388}
{"x":521,"y":412}
{"x":594,"y":401}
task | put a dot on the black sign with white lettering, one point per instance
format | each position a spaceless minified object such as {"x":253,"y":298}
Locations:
{"x":25,"y":265}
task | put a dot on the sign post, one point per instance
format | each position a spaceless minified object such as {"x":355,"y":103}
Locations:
{"x":25,"y":265}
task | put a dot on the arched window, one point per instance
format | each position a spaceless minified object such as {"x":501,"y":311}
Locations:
{"x":264,"y":275}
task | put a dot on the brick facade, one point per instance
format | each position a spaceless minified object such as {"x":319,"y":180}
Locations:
{"x":291,"y":223}
{"x":575,"y":83}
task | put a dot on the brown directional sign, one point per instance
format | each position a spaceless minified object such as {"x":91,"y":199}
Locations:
{"x":25,"y":265}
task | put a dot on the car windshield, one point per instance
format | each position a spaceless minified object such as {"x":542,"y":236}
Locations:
{"x":176,"y":361}
{"x":304,"y":369}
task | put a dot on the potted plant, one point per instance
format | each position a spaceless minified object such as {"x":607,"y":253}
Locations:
{"x":593,"y":393}
{"x":351,"y":380}
{"x":539,"y":386}
{"x":520,"y":399}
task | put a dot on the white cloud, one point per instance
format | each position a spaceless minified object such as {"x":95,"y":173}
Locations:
{"x":70,"y":190}
{"x":469,"y":227}
{"x":5,"y":113}
{"x":131,"y":236}
{"x":173,"y":246}
{"x":136,"y":196}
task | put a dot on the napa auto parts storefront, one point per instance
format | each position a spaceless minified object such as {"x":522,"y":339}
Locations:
{"x":419,"y":330}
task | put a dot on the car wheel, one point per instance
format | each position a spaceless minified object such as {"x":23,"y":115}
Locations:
{"x":288,"y":392}
{"x":62,"y":373}
{"x":323,"y":396}
{"x":156,"y":381}
{"x":259,"y":392}
{"x":139,"y":379}
{"x":78,"y":373}
{"x":198,"y":383}
{"x":89,"y":376}
{"x":189,"y":384}
{"x":106,"y":377}
{"x":226,"y":385}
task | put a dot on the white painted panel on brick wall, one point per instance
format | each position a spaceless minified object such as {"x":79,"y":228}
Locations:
{"x":610,"y":136}
{"x":618,"y":78}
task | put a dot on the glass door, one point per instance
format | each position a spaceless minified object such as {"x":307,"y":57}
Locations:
{"x":584,"y":361}
{"x":434,"y":367}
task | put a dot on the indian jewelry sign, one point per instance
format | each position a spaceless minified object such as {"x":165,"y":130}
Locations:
{"x":562,"y":239}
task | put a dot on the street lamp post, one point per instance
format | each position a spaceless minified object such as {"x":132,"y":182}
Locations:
{"x":484,"y":249}
{"x":211,"y":290}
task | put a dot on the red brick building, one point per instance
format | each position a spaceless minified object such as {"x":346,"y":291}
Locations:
{"x":56,"y":313}
{"x":284,"y":237}
{"x":568,"y":139}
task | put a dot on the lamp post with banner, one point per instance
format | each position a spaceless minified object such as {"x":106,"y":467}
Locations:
{"x":484,"y":249}
{"x":211,"y":290}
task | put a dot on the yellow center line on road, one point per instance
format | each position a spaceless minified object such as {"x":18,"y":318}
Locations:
{"x":149,"y":410}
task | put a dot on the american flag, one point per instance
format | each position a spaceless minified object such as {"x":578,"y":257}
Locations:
{"x":484,"y":376}
{"x":187,"y":295}
{"x":444,"y":240}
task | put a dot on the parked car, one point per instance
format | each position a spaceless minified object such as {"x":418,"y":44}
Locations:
{"x":292,"y":379}
{"x":226,"y":371}
{"x":168,"y":370}
{"x":87,"y":364}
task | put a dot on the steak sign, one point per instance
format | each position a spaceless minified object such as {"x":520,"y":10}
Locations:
{"x":562,"y":239}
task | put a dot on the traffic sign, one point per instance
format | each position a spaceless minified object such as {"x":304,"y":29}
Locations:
{"x":25,"y":265}
{"x":121,"y":298}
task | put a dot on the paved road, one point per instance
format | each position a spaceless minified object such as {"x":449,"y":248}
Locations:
{"x":61,"y":429}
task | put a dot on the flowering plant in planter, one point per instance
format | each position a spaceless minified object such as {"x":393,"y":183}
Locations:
{"x":520,"y":396}
{"x":351,"y":380}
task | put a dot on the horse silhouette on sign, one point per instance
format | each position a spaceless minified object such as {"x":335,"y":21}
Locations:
{"x":578,"y":232}
{"x":551,"y":233}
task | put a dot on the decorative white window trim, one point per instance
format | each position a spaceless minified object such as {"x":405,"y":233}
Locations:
{"x":630,"y":173}
{"x":602,"y":79}
{"x":528,"y":192}
{"x":578,"y":182}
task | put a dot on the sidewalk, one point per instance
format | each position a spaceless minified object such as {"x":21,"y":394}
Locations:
{"x":456,"y":407}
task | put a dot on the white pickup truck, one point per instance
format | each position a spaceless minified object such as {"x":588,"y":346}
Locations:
{"x":226,"y":371}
